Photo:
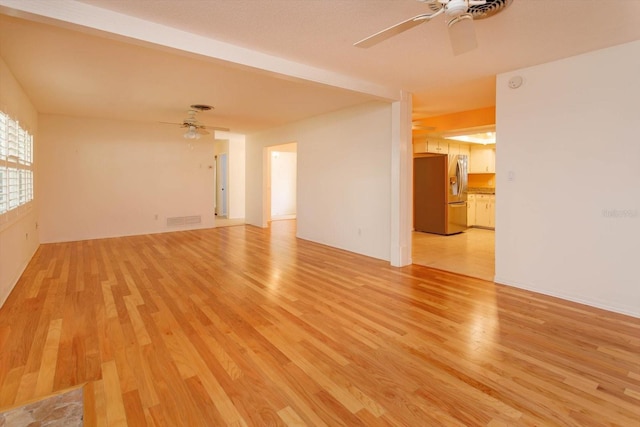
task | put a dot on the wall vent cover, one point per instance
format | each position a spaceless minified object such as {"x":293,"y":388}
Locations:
{"x":184,"y":220}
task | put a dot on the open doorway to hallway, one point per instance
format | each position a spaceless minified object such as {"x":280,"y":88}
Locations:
{"x":282,"y":181}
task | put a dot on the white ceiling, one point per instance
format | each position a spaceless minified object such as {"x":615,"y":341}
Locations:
{"x":67,"y":69}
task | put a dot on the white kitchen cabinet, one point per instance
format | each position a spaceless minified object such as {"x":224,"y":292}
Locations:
{"x":458,"y":148}
{"x":485,"y":210}
{"x":471,"y":210}
{"x":482,"y":159}
{"x":464,"y":149}
{"x":437,"y":146}
{"x":420,"y":146}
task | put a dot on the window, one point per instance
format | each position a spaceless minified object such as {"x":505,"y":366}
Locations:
{"x":16,"y":164}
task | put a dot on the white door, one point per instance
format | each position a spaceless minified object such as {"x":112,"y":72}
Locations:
{"x":221,"y":185}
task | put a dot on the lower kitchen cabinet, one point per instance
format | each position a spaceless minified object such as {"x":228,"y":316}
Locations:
{"x":471,"y":210}
{"x":485,"y":210}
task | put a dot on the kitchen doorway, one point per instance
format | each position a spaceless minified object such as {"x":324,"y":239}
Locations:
{"x":471,"y":252}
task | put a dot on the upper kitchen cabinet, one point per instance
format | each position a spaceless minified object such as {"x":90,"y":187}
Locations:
{"x":419,"y":146}
{"x":437,"y":146}
{"x":458,"y":148}
{"x":482,"y":159}
{"x":431,"y":145}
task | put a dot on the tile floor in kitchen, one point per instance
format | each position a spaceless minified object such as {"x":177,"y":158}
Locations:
{"x":470,"y":253}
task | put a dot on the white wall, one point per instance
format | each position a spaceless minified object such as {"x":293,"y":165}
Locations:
{"x":568,"y":223}
{"x":18,"y":233}
{"x":343,"y":191}
{"x":103,"y":178}
{"x":237,"y":154}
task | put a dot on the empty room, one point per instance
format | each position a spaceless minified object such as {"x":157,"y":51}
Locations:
{"x":209,"y":212}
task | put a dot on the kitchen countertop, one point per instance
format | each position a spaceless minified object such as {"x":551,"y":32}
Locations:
{"x":481,"y":190}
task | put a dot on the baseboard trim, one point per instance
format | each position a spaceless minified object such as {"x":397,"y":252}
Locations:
{"x":628,"y":311}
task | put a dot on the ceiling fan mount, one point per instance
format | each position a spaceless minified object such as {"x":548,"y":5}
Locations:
{"x":460,"y":16}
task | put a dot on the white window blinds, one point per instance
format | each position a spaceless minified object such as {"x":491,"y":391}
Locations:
{"x":16,"y":164}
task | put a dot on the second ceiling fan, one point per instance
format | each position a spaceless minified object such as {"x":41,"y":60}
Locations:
{"x":195,"y":129}
{"x":460,"y":15}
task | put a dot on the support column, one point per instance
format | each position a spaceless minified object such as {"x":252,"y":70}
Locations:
{"x":401,"y":182}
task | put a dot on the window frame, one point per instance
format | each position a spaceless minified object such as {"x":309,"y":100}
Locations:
{"x":16,"y":168}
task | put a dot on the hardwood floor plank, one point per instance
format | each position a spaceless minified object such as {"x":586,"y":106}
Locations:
{"x":249,"y":326}
{"x":47,"y":369}
{"x":115,"y":409}
{"x":90,"y":415}
{"x":10,"y":384}
{"x":133,"y":409}
{"x":340,"y":393}
{"x":290,"y":418}
{"x":203,"y":400}
{"x":27,"y":388}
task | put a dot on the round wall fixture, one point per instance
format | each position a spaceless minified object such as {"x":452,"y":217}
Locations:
{"x":515,"y":82}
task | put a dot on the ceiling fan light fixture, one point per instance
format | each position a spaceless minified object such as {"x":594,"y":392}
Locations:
{"x":462,"y":34}
{"x":192,"y":133}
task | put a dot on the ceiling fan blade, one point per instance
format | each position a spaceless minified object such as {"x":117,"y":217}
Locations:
{"x":171,"y":123}
{"x":387,"y":33}
{"x":201,"y":131}
{"x":219,"y":128}
{"x":462,"y":34}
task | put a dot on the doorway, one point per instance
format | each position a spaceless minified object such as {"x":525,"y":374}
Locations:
{"x":221,"y":177}
{"x":283,"y":184}
{"x":471,"y":252}
{"x":281,"y":178}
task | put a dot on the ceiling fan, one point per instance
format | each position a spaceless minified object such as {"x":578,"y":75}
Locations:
{"x":195,"y":129}
{"x":460,"y":15}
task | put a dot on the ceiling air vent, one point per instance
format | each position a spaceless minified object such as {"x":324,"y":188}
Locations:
{"x":490,"y":8}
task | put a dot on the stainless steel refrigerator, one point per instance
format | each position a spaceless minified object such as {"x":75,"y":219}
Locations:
{"x":440,"y":193}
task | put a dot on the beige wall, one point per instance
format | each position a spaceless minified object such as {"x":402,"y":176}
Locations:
{"x":559,"y":231}
{"x":103,"y":178}
{"x":343,"y":179}
{"x":18,"y":233}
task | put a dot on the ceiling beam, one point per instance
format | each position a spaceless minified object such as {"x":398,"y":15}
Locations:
{"x":82,"y":16}
{"x":464,"y":120}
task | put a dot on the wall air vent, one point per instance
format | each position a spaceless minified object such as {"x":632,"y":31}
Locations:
{"x":184,"y":220}
{"x":194,"y":219}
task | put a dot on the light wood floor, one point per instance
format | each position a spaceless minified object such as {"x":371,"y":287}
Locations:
{"x":249,"y":326}
{"x":227,"y":222}
{"x":470,"y":253}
